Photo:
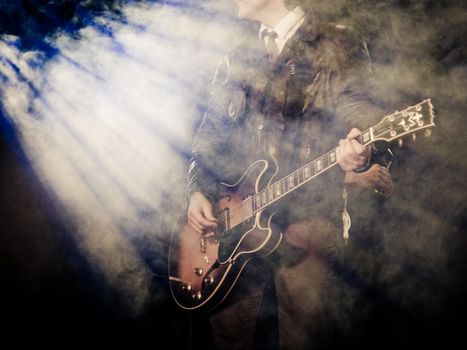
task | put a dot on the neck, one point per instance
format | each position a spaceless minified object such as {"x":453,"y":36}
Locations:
{"x":272,"y":14}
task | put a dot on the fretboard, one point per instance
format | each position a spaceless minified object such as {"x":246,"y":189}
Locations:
{"x":236,"y":215}
{"x":392,"y":127}
{"x":296,"y":179}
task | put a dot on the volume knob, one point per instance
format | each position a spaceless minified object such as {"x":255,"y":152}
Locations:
{"x":187,"y":287}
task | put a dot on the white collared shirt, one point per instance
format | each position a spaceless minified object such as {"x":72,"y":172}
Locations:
{"x":286,"y":27}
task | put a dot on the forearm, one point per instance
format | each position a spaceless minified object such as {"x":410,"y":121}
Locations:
{"x":200,"y":180}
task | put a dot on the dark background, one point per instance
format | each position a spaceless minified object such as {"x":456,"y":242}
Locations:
{"x":50,"y":295}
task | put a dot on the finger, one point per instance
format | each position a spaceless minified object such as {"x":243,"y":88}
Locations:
{"x":386,"y":187}
{"x":353,"y":133}
{"x":390,"y":190}
{"x":356,"y":152}
{"x":207,"y":213}
{"x":362,"y":152}
{"x":385,"y":191}
{"x":339,"y":156}
{"x":348,"y":159}
{"x":360,"y":149}
{"x":199,"y":218}
{"x":384,"y":174}
{"x":195,"y":226}
{"x":380,"y":185}
{"x":349,"y":156}
{"x":195,"y":222}
{"x":206,"y":223}
{"x":383,"y":171}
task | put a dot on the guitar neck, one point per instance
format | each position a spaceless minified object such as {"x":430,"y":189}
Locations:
{"x":301,"y":176}
{"x":392,"y":127}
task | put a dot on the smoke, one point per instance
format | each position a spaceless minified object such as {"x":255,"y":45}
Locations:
{"x":106,"y":123}
{"x":418,"y":52}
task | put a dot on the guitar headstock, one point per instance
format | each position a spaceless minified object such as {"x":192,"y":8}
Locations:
{"x":409,"y":121}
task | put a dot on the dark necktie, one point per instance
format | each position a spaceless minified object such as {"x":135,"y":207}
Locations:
{"x":271,"y":45}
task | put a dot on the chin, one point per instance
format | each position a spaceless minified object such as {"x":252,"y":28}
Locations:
{"x":242,"y":10}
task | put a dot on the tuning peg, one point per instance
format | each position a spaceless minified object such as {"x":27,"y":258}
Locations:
{"x":401,"y":143}
{"x":414,"y":137}
{"x":427,"y":133}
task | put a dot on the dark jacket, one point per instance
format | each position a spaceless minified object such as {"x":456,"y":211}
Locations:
{"x":297,"y":109}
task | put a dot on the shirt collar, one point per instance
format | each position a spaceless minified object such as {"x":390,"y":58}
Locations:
{"x":286,"y":24}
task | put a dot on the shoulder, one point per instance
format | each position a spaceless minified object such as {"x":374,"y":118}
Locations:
{"x":330,"y":40}
{"x":339,"y":32}
{"x":341,"y":45}
{"x":317,"y":30}
{"x":238,"y":64}
{"x":340,"y":36}
{"x":222,"y":72}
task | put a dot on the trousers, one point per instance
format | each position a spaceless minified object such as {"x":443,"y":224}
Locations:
{"x":282,"y":303}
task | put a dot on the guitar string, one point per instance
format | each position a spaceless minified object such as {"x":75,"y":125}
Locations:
{"x":237,"y":212}
{"x":282,"y":184}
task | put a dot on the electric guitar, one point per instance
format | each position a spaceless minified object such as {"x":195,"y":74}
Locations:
{"x":203,"y":269}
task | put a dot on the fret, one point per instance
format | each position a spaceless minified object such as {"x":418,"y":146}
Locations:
{"x":307,"y":172}
{"x":393,"y":125}
{"x":271,"y":193}
{"x":291,"y":183}
{"x":365,"y":137}
{"x":227,"y":219}
{"x":313,"y":168}
{"x":359,"y":138}
{"x":319,"y":165}
{"x":332,"y":157}
{"x":278,"y":189}
{"x":250,"y":204}
{"x":293,"y":180}
{"x":326,"y":162}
